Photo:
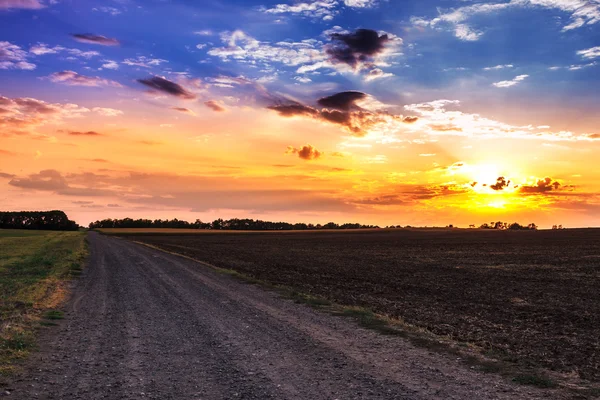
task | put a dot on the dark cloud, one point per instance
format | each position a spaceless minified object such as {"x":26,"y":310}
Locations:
{"x":410,"y":120}
{"x":383,"y":200}
{"x":163,"y":85}
{"x":542,"y":186}
{"x":95,"y":39}
{"x":81,"y":202}
{"x":99,"y":160}
{"x":306,"y":152}
{"x":88,"y":133}
{"x":341,"y":109}
{"x":431,"y":192}
{"x":500,"y":184}
{"x":213,"y":105}
{"x":356,"y":47}
{"x":6,"y":176}
{"x":113,"y":205}
{"x":337,"y":117}
{"x":344,"y":101}
{"x":291,"y":110}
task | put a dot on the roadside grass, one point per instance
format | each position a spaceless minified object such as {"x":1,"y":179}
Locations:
{"x":35,"y":267}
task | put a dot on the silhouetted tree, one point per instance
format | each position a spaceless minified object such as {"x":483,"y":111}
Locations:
{"x":38,"y":220}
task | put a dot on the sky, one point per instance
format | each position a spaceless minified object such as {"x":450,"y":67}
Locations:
{"x":387,"y":112}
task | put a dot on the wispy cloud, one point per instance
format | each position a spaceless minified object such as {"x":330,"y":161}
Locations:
{"x":512,"y":82}
{"x":41,"y":49}
{"x":320,"y":9}
{"x":581,"y":12}
{"x":72,"y":78}
{"x":144,"y":62}
{"x":22,"y":4}
{"x":13,"y":57}
{"x":590,"y":54}
{"x":214,"y":105}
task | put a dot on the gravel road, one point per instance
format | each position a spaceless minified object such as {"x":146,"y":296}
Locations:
{"x":143,"y":324}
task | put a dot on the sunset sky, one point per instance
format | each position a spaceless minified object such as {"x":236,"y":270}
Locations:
{"x":384,"y":112}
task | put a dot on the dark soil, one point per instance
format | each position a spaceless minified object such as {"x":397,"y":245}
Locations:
{"x":531,"y":297}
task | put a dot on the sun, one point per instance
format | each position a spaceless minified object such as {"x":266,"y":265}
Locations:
{"x":485,"y":174}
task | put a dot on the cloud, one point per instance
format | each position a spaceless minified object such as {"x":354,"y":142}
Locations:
{"x":144,"y":62}
{"x":110,"y":64}
{"x":581,"y":12}
{"x":213,"y":105}
{"x":46,"y":180}
{"x":319,"y":9}
{"x":363,"y":50}
{"x":360,"y":3}
{"x":21,"y":4}
{"x":88,"y":133}
{"x":162,"y":85}
{"x":324,"y":10}
{"x":108,"y":10}
{"x":498,"y":67}
{"x":95,"y":39}
{"x":4,"y":175}
{"x":13,"y":57}
{"x":541,"y":186}
{"x":183,"y":110}
{"x":107,"y":112}
{"x":291,"y":110}
{"x":21,"y":115}
{"x":356,"y":48}
{"x":246,"y":49}
{"x":342,"y":109}
{"x":377,"y":73}
{"x":306,"y":152}
{"x":440,"y":114}
{"x":590,"y":54}
{"x":53,"y":181}
{"x":342,"y":101}
{"x":72,"y":78}
{"x":513,"y":82}
{"x":42,"y":49}
{"x":501,"y":184}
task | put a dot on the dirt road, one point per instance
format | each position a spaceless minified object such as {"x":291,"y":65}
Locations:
{"x":143,"y":324}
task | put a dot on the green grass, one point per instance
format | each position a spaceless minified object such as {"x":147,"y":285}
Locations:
{"x":35,"y":267}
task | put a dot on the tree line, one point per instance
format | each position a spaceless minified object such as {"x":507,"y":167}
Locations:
{"x":515,"y":226}
{"x":37,"y":220}
{"x":221,"y":224}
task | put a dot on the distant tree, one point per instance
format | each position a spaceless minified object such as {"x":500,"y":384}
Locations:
{"x":37,"y":220}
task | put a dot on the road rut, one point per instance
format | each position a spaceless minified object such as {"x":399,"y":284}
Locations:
{"x":143,"y":324}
